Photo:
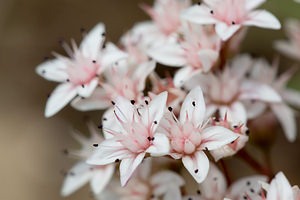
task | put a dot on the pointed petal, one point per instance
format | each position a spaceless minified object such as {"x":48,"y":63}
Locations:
{"x":93,"y":41}
{"x":161,"y":145}
{"x":197,"y":165}
{"x":168,"y":54}
{"x":128,"y":166}
{"x":286,"y":118}
{"x":208,"y":57}
{"x":79,"y":176}
{"x":236,"y":112}
{"x":193,"y":107}
{"x":111,"y":54}
{"x":97,"y":101}
{"x":263,"y":19}
{"x":173,"y":194}
{"x":87,"y":89}
{"x":124,"y":110}
{"x":142,"y":72}
{"x":184,"y":74}
{"x":101,"y":178}
{"x":287,"y":48}
{"x":280,"y":188}
{"x":252,"y":4}
{"x":226,"y":31}
{"x":199,"y":14}
{"x":215,"y":137}
{"x":291,"y":97}
{"x":53,"y":70}
{"x":164,"y":180}
{"x":59,"y":98}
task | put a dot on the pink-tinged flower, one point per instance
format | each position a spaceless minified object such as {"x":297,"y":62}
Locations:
{"x":145,"y":185}
{"x":290,"y":47}
{"x":227,"y":91}
{"x":120,"y":81}
{"x":79,"y":74}
{"x":280,"y":189}
{"x":196,"y":52}
{"x":230,"y":15}
{"x":166,"y":14}
{"x":239,"y":129}
{"x":215,"y":187}
{"x":82,"y":173}
{"x":135,"y":136}
{"x":190,"y":135}
{"x":264,"y":73}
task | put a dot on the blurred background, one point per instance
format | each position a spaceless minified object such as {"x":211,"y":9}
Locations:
{"x":30,"y":145}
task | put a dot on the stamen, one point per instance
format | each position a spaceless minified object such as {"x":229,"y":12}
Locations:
{"x":132,"y":102}
{"x":146,"y":102}
{"x":170,"y":109}
{"x":117,"y":160}
{"x":113,"y":103}
{"x":95,"y":145}
{"x":196,"y":171}
{"x":193,"y":103}
{"x":100,"y":126}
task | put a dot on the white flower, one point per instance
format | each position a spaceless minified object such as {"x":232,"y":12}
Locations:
{"x":82,"y":173}
{"x":135,"y":136}
{"x":190,"y":136}
{"x":79,"y":74}
{"x":230,"y":15}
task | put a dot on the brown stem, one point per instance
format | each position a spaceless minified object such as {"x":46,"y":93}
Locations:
{"x":223,"y":55}
{"x":226,"y":172}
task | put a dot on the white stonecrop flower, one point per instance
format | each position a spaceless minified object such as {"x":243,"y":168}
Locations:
{"x":290,"y":47}
{"x":82,"y":173}
{"x":280,"y":189}
{"x":227,"y":91}
{"x":190,"y":135}
{"x":79,"y":74}
{"x":120,"y":81}
{"x":264,"y":73}
{"x":231,"y":15}
{"x":196,"y":52}
{"x":145,"y":185}
{"x":134,"y":136}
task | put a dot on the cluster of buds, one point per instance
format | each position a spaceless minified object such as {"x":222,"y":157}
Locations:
{"x":187,"y":121}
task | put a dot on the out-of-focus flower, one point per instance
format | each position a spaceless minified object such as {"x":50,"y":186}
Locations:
{"x":145,"y":185}
{"x":82,"y":173}
{"x":119,"y":81}
{"x":190,"y":135}
{"x":264,"y":73}
{"x":79,"y":74}
{"x":230,"y":149}
{"x":230,"y":15}
{"x":280,"y":189}
{"x":290,"y":47}
{"x":134,"y":136}
{"x":196,"y":52}
{"x":226,"y":91}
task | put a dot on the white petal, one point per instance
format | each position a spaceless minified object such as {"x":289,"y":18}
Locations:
{"x":226,"y":31}
{"x":79,"y":176}
{"x":97,"y":101}
{"x":93,"y":41}
{"x":215,"y":137}
{"x":199,"y":14}
{"x":291,"y":97}
{"x":124,"y":110}
{"x":280,"y":188}
{"x":59,"y":98}
{"x":263,"y":19}
{"x":108,"y":152}
{"x":236,"y":112}
{"x":185,"y":74}
{"x":286,"y":118}
{"x":288,"y":48}
{"x":161,"y":145}
{"x":193,"y":107}
{"x":197,"y":165}
{"x":101,"y":178}
{"x":128,"y":166}
{"x":208,"y":57}
{"x":173,"y":194}
{"x":241,"y":64}
{"x":258,"y":91}
{"x":165,"y":179}
{"x":53,"y":70}
{"x":141,"y":73}
{"x":254,"y":109}
{"x":252,"y":4}
{"x":168,"y":54}
{"x":87,"y":89}
{"x":111,"y":55}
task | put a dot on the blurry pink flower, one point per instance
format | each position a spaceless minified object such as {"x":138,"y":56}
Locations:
{"x":196,"y":52}
{"x":190,"y":136}
{"x":135,"y":136}
{"x":119,"y":82}
{"x":79,"y":73}
{"x":82,"y":173}
{"x":291,"y":47}
{"x":230,"y":15}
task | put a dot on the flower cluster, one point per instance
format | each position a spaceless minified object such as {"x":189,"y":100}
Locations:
{"x":182,"y":123}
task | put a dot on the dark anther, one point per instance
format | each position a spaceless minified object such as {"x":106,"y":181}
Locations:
{"x":72,"y":173}
{"x":104,"y":46}
{"x":68,"y":80}
{"x":82,"y":97}
{"x":46,"y":58}
{"x":104,"y":119}
{"x":152,"y":196}
{"x":94,"y":61}
{"x":100,"y":126}
{"x":91,"y":168}
{"x":217,"y":120}
{"x":155,"y":122}
{"x":65,"y":151}
{"x":233,"y":23}
{"x":248,"y":182}
{"x":235,"y":126}
{"x":103,"y":34}
{"x":206,"y":148}
{"x":152,"y":138}
{"x":170,"y":109}
{"x":82,"y":30}
{"x":82,"y":85}
{"x":198,"y":192}
{"x":215,"y":178}
{"x":113,"y":103}
{"x":232,"y":142}
{"x":149,"y":138}
{"x":146,"y":102}
{"x":95,"y":145}
{"x":193,"y":103}
{"x":117,"y":160}
{"x":190,"y":198}
{"x":211,"y":12}
{"x":132,"y":102}
{"x":199,"y":3}
{"x":182,"y":88}
{"x":48,"y":95}
{"x":245,"y":197}
{"x":247,"y":132}
{"x":252,"y":190}
{"x":196,"y":171}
